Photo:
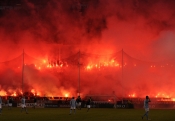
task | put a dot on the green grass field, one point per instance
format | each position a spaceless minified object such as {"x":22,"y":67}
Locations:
{"x":95,"y":114}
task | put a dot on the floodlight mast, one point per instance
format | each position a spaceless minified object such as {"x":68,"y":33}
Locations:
{"x":122,"y":77}
{"x":79,"y":74}
{"x":23,"y":72}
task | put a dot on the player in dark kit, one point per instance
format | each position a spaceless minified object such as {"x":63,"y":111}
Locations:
{"x":88,"y":103}
{"x":78,"y":100}
{"x":35,"y":102}
{"x":10,"y":101}
{"x":0,"y":105}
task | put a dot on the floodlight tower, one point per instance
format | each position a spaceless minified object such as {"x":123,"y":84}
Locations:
{"x":23,"y":72}
{"x":122,"y":77}
{"x":79,"y":73}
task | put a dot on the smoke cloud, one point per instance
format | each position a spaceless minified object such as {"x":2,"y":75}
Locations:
{"x":53,"y":32}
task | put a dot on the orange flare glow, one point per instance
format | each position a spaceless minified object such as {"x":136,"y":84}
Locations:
{"x":14,"y":94}
{"x":66,"y":95}
{"x":3,"y":93}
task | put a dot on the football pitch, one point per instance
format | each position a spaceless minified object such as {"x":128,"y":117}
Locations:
{"x":94,"y":114}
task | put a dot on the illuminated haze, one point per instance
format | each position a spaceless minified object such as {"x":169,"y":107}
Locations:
{"x":51,"y":29}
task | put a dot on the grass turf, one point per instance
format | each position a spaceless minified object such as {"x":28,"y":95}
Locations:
{"x":94,"y":114}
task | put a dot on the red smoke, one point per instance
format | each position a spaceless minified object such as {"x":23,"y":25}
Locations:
{"x":51,"y":30}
